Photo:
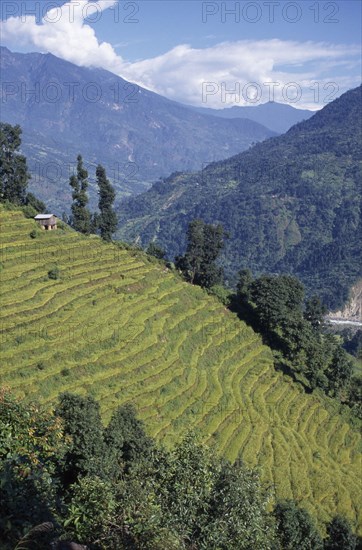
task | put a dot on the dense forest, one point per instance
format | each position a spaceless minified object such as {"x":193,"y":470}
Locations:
{"x":291,"y":204}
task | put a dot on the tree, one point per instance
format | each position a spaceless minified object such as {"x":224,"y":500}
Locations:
{"x":274,"y":307}
{"x":81,"y":217}
{"x":339,"y":371}
{"x":82,"y":422}
{"x":34,"y":202}
{"x":190,"y":264}
{"x":238,"y":516}
{"x":243,"y":286}
{"x":14,"y":174}
{"x":187,"y":487}
{"x":90,"y":511}
{"x":295,"y":528}
{"x":340,"y":536}
{"x":314,"y":312}
{"x":204,"y":244}
{"x":277,"y":299}
{"x":156,"y":251}
{"x":355,"y":395}
{"x":32,"y":443}
{"x":125,"y":438}
{"x":107,"y":221}
{"x":353,"y":344}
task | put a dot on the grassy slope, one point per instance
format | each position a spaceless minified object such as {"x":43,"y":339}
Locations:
{"x":126,"y":329}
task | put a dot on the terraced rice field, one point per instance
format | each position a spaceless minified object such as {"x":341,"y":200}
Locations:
{"x":123,"y":328}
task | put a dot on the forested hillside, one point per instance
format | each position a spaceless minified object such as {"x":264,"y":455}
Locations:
{"x":291,"y":204}
{"x":99,"y":319}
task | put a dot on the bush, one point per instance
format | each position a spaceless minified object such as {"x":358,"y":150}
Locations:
{"x":295,"y":527}
{"x":54,"y":273}
{"x":35,"y":203}
{"x":156,"y":251}
{"x":340,"y":535}
{"x":29,"y":211}
{"x":221,"y":293}
{"x":33,"y":234}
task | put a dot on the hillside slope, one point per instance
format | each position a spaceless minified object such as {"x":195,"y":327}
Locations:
{"x":352,"y":311}
{"x":290,"y":204}
{"x":121,"y":327}
{"x":136,"y":134}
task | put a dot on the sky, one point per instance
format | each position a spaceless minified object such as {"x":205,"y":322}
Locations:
{"x":205,"y":53}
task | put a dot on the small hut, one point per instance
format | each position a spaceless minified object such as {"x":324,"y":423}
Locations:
{"x":47,"y":221}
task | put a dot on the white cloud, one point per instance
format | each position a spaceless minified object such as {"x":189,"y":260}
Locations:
{"x":64,"y":33}
{"x":183,"y":72}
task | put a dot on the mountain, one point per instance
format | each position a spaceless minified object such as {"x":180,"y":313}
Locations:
{"x":138,"y":135}
{"x":84,"y":316}
{"x":290,"y":204}
{"x":276,"y":116}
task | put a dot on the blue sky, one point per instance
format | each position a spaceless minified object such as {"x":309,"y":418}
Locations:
{"x":202,"y":52}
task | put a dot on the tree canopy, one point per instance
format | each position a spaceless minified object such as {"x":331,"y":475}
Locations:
{"x":81,"y":217}
{"x":204,"y":244}
{"x":14,"y":174}
{"x":274,"y":305}
{"x":64,"y":476}
{"x":107,"y":221}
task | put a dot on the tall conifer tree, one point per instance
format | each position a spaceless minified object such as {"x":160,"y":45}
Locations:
{"x":14,"y":174}
{"x":107,"y":220}
{"x":81,"y":217}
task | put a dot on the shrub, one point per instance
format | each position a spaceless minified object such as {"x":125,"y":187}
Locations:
{"x":221,"y":293}
{"x":29,"y":211}
{"x":54,"y":273}
{"x":156,"y":251}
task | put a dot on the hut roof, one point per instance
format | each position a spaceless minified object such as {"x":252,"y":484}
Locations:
{"x":44,"y":216}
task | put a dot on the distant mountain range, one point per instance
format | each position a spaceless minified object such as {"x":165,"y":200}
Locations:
{"x":138,"y":135}
{"x":290,"y":204}
{"x":278,"y":117}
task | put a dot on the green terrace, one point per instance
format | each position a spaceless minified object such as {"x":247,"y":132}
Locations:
{"x":121,"y":327}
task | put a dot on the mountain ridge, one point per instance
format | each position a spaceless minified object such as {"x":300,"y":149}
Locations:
{"x":138,"y":135}
{"x":278,"y":117}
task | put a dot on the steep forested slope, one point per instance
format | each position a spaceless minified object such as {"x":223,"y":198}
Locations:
{"x":290,"y":204}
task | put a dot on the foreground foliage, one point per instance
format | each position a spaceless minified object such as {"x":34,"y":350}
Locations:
{"x":124,"y":492}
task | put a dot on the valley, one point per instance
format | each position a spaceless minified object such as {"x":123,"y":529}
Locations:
{"x":180,"y":275}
